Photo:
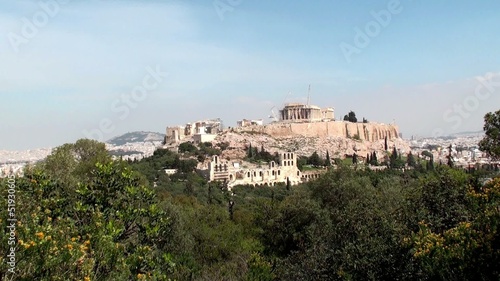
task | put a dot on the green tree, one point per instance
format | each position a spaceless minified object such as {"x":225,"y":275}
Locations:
{"x":443,"y":202}
{"x":250,"y":152}
{"x":410,"y":160}
{"x":259,"y":268}
{"x":106,"y":226}
{"x":393,"y":158}
{"x":70,"y":163}
{"x":315,"y":160}
{"x":287,"y":225}
{"x":328,"y":161}
{"x":186,"y":166}
{"x":360,"y":240}
{"x":374,"y":160}
{"x":491,"y":141}
{"x":430,"y":164}
{"x":396,"y":160}
{"x":301,"y":162}
{"x":189,"y":190}
{"x":207,"y":149}
{"x":220,"y":247}
{"x":351,"y":117}
{"x":426,"y":153}
{"x":187,"y":147}
{"x":450,"y":157}
{"x":466,"y":249}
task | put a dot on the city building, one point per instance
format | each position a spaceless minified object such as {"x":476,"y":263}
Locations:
{"x":170,"y":171}
{"x":208,"y":128}
{"x":246,"y":123}
{"x":203,"y":136}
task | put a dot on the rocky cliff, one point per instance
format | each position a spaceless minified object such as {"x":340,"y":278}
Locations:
{"x":340,"y":139}
{"x":362,"y":131}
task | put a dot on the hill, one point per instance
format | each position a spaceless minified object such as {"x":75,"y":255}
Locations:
{"x":338,"y":146}
{"x":339,"y":138}
{"x":134,"y":137}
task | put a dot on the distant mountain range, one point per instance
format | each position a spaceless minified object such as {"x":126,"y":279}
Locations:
{"x":472,"y":133}
{"x":134,"y":137}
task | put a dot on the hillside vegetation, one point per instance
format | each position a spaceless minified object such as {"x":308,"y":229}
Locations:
{"x":83,"y":216}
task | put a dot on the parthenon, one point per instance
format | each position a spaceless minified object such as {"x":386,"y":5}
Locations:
{"x":298,"y":112}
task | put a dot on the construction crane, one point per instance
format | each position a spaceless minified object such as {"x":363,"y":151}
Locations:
{"x":273,"y":115}
{"x":284,"y":101}
{"x":309,"y":96}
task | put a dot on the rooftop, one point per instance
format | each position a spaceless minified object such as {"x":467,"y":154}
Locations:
{"x":301,"y":105}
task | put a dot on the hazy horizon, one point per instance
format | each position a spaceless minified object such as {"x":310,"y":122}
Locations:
{"x":73,"y":69}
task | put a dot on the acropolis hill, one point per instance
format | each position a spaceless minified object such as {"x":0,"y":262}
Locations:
{"x":362,"y":131}
{"x":300,"y":128}
{"x":306,"y":120}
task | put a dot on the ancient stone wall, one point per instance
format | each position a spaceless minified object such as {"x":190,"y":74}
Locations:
{"x":363,"y":131}
{"x":285,"y":171}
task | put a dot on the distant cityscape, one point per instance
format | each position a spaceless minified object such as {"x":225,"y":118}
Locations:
{"x":464,"y":149}
{"x":137,"y":145}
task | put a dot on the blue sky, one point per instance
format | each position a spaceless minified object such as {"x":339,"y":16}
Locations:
{"x":233,"y":59}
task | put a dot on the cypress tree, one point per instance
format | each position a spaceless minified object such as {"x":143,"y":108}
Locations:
{"x":250,"y":151}
{"x":374,"y":159}
{"x":394,"y":157}
{"x":231,"y":209}
{"x":430,"y":164}
{"x":450,"y":158}
{"x":411,"y":160}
